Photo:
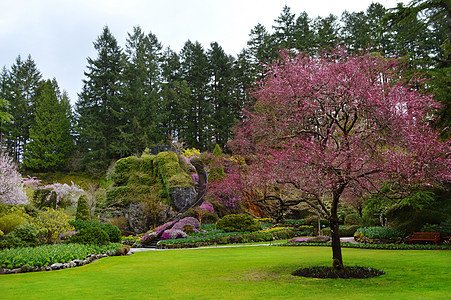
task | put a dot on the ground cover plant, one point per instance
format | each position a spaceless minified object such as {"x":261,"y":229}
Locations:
{"x":239,"y":273}
{"x":49,"y":254}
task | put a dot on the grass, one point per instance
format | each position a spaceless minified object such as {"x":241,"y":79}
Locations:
{"x":239,"y":273}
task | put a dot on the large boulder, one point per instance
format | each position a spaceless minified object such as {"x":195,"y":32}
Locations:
{"x":183,"y":197}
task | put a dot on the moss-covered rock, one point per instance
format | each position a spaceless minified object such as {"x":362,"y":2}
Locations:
{"x":161,"y":175}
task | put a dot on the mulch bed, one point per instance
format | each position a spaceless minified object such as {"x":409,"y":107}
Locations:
{"x":347,"y":273}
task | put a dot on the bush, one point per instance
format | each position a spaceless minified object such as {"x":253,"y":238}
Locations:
{"x":238,"y":223}
{"x":90,"y":236}
{"x":53,"y":224}
{"x":28,"y":233}
{"x":82,"y":209}
{"x":9,"y":222}
{"x":345,"y":231}
{"x":187,"y":225}
{"x":353,"y":219}
{"x":173,"y":234}
{"x":25,"y":235}
{"x":114,"y":234}
{"x":380,"y":232}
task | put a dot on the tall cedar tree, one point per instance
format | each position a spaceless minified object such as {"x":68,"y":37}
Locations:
{"x":50,"y":135}
{"x":142,"y":86}
{"x":20,"y":90}
{"x":224,"y":105}
{"x":195,"y":71}
{"x":100,"y":107}
{"x":335,"y":127}
{"x":175,"y":95}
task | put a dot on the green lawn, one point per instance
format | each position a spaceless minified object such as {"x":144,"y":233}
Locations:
{"x":239,"y":273}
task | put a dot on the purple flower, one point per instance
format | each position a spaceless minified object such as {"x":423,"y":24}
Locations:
{"x":207,"y":206}
{"x":298,"y":240}
{"x":189,"y":221}
{"x":195,"y":177}
{"x":173,"y":234}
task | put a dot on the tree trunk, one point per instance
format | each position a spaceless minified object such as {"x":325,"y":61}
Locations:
{"x":335,"y":233}
{"x":336,"y":246}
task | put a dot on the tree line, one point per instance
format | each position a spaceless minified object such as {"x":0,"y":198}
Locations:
{"x":144,"y":94}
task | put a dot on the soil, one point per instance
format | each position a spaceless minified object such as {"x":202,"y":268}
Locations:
{"x":347,"y":273}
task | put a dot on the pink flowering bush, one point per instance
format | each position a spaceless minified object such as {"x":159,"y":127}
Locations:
{"x":173,"y":234}
{"x":207,"y":206}
{"x":190,"y":222}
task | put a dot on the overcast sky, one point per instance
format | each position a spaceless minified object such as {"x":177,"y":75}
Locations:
{"x":59,"y":34}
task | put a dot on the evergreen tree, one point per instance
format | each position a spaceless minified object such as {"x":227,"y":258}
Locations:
{"x":284,"y":29}
{"x":303,"y":33}
{"x":142,"y":87}
{"x":194,"y":63}
{"x":326,"y":31}
{"x":100,"y":107}
{"x":50,"y":140}
{"x":20,"y":90}
{"x":225,"y":106}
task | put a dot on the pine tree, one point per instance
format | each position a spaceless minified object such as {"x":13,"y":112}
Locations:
{"x":100,"y":107}
{"x":285,"y":29}
{"x":303,"y":33}
{"x":142,"y":87}
{"x":195,"y":72}
{"x":326,"y":31}
{"x":50,"y":139}
{"x":224,"y":105}
{"x":20,"y":91}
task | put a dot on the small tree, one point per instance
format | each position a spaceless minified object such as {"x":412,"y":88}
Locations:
{"x":337,"y":126}
{"x":11,"y":186}
{"x":203,"y":209}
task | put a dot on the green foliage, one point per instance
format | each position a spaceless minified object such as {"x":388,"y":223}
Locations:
{"x":114,"y":234}
{"x":41,"y":198}
{"x":238,"y":223}
{"x":50,"y":135}
{"x":52,"y":223}
{"x":380,"y":232}
{"x":82,"y":212}
{"x":9,"y":222}
{"x":25,"y":235}
{"x":49,"y":254}
{"x":90,"y":236}
{"x":345,"y":230}
{"x":353,"y":219}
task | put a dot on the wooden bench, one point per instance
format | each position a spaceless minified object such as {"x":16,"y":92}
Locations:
{"x":425,"y":237}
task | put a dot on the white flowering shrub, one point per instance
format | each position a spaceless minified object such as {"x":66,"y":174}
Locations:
{"x":11,"y":185}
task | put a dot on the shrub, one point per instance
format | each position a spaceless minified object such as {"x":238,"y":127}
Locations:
{"x":27,"y":233}
{"x":173,"y":234}
{"x":9,"y":222}
{"x":238,"y":223}
{"x":82,"y":209}
{"x":114,"y":234}
{"x":345,"y":231}
{"x":380,"y":232}
{"x":353,"y":219}
{"x":52,"y":223}
{"x":90,"y":236}
{"x":187,"y":224}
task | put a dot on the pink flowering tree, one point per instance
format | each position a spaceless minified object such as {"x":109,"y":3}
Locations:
{"x":337,"y":126}
{"x":11,"y":186}
{"x":203,"y":209}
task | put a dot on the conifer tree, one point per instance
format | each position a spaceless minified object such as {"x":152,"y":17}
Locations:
{"x":142,"y":86}
{"x":50,"y":139}
{"x":100,"y":107}
{"x":20,"y":91}
{"x":194,"y":63}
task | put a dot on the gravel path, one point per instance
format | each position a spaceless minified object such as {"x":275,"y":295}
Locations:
{"x":134,"y":250}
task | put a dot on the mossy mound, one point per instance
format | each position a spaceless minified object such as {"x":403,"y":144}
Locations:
{"x":157,"y":175}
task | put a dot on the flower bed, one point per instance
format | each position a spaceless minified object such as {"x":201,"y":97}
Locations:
{"x":219,"y":237}
{"x":48,"y":257}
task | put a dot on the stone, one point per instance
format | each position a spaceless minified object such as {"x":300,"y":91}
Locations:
{"x":183,"y":197}
{"x":78,"y":262}
{"x":56,"y":266}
